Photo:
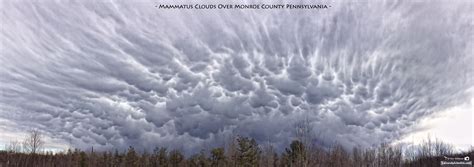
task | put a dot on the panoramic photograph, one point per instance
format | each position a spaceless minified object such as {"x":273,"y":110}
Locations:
{"x":236,"y":83}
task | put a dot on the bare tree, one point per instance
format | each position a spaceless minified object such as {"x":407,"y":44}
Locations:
{"x":14,"y":146}
{"x":33,"y":143}
{"x":304,"y":135}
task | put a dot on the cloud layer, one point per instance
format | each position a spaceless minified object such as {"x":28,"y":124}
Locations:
{"x":117,"y":74}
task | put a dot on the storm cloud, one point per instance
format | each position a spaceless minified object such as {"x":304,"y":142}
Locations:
{"x":114,"y":74}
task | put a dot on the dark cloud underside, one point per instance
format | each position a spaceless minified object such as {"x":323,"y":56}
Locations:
{"x":119,"y":74}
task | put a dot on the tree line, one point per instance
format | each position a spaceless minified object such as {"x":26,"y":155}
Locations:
{"x":241,"y":152}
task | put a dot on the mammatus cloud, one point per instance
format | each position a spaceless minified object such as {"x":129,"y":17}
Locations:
{"x":117,"y":74}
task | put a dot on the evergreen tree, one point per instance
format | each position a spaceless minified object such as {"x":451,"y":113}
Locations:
{"x":217,"y":157}
{"x":248,"y":152}
{"x":83,"y":159}
{"x":131,"y":158}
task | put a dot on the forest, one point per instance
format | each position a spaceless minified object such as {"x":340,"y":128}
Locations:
{"x":240,"y":152}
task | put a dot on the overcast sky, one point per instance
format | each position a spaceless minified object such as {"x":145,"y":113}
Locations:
{"x":115,"y":74}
